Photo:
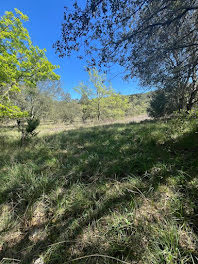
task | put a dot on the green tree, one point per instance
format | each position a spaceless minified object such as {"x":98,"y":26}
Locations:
{"x":99,"y":91}
{"x":20,"y":62}
{"x":37,"y":102}
{"x":110,"y":29}
{"x":158,"y":62}
{"x":158,"y":104}
{"x":99,"y":100}
{"x":95,"y":91}
{"x":114,"y":106}
{"x":155,"y":41}
{"x":85,"y":109}
{"x":138,"y":104}
{"x":69,"y":112}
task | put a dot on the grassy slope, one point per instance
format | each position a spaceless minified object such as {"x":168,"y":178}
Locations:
{"x":128,"y":191}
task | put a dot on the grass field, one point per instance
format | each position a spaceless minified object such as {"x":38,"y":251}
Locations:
{"x":118,"y":193}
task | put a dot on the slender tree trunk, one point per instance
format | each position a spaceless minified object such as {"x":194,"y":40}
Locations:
{"x":32,"y":113}
{"x":193,"y":94}
{"x":98,"y":110}
{"x":191,"y":100}
{"x":98,"y":106}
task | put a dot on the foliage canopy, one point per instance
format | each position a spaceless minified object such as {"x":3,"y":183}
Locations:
{"x":154,"y":40}
{"x":100,"y":100}
{"x":20,"y":62}
{"x":109,"y":29}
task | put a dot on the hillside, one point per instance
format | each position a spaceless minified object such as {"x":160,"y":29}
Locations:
{"x":122,"y":193}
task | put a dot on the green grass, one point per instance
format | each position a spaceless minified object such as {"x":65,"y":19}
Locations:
{"x":123,"y":191}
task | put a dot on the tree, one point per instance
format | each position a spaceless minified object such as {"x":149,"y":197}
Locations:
{"x":100,"y":91}
{"x":69,"y":111}
{"x":84,"y":102}
{"x":21,"y":63}
{"x":114,"y":106}
{"x":158,"y":104}
{"x":174,"y":70}
{"x":95,"y":92}
{"x":138,"y":104}
{"x":38,"y":102}
{"x":109,"y":29}
{"x":99,"y":100}
{"x":154,"y":40}
{"x":63,"y":109}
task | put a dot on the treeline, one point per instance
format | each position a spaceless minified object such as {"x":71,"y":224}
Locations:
{"x":48,"y":102}
{"x":112,"y":108}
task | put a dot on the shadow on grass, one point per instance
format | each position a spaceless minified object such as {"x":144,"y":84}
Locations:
{"x":94,"y":158}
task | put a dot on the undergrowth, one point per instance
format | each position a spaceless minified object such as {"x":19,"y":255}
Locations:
{"x":122,"y":192}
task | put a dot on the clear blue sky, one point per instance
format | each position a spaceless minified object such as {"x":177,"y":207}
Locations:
{"x":44,"y":26}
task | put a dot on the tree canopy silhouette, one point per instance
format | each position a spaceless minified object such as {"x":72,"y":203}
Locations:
{"x":107,"y":30}
{"x":154,"y":40}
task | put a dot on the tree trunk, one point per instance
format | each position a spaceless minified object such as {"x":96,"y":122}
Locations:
{"x":98,"y":110}
{"x":193,"y":94}
{"x":191,"y":100}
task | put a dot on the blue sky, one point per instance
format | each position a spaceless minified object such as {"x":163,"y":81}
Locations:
{"x":44,"y":26}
